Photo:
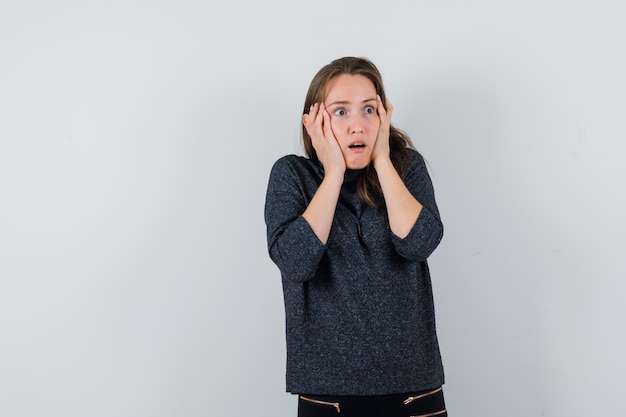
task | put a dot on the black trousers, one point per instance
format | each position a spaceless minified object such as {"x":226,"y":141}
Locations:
{"x":429,"y":403}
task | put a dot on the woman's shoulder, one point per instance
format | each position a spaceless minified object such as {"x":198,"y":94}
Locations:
{"x":416,"y":159}
{"x":293,"y":162}
{"x":295,"y":166}
{"x":413,"y":153}
{"x":291,"y":159}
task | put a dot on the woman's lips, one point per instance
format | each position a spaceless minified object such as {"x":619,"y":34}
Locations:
{"x":356,"y":145}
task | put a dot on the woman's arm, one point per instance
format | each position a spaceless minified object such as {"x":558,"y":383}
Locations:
{"x":297,"y":231}
{"x":411,"y":207}
{"x":292,"y":244}
{"x":403,"y":208}
{"x":321,"y":210}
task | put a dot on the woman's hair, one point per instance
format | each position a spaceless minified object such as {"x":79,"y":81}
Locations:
{"x":399,"y":142}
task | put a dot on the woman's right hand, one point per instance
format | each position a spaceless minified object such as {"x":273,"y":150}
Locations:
{"x":317,"y":124}
{"x":321,"y":209}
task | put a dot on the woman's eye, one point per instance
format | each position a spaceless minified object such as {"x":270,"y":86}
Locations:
{"x":340,"y":112}
{"x":370,"y":110}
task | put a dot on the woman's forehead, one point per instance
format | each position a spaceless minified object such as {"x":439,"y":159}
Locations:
{"x":350,"y":88}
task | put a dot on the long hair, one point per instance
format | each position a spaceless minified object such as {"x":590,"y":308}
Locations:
{"x":399,"y":142}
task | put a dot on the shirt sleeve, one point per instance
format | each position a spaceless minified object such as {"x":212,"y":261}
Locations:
{"x":292,"y":244}
{"x":427,"y":231}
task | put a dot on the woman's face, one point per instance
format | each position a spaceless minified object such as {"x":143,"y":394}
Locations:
{"x":352,"y":105}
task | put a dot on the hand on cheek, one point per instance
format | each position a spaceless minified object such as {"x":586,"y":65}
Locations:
{"x":318,"y":125}
{"x":381,"y":147}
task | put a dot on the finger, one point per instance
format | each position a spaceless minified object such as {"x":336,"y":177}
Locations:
{"x":389,"y":109}
{"x":312,"y":113}
{"x":385,"y":114}
{"x":319,"y":118}
{"x":381,"y":108}
{"x":314,"y":122}
{"x":328,"y":131}
{"x":306,"y":117}
{"x":314,"y":109}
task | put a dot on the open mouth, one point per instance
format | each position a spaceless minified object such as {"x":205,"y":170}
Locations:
{"x":356,"y":145}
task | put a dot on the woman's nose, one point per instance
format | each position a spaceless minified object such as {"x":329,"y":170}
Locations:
{"x":356,"y":127}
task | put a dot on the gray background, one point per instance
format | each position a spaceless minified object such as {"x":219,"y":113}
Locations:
{"x":136,"y":139}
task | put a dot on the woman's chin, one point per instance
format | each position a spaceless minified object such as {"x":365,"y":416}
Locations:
{"x":358,"y":163}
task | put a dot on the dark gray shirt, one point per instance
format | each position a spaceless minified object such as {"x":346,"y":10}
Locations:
{"x":359,"y":310}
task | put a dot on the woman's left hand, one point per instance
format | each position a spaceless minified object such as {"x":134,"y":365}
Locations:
{"x":381,"y":147}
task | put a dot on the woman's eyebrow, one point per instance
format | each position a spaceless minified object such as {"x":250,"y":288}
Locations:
{"x":344,"y":102}
{"x":339,"y":103}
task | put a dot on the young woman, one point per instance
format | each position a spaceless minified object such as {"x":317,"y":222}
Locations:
{"x":350,"y":228}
